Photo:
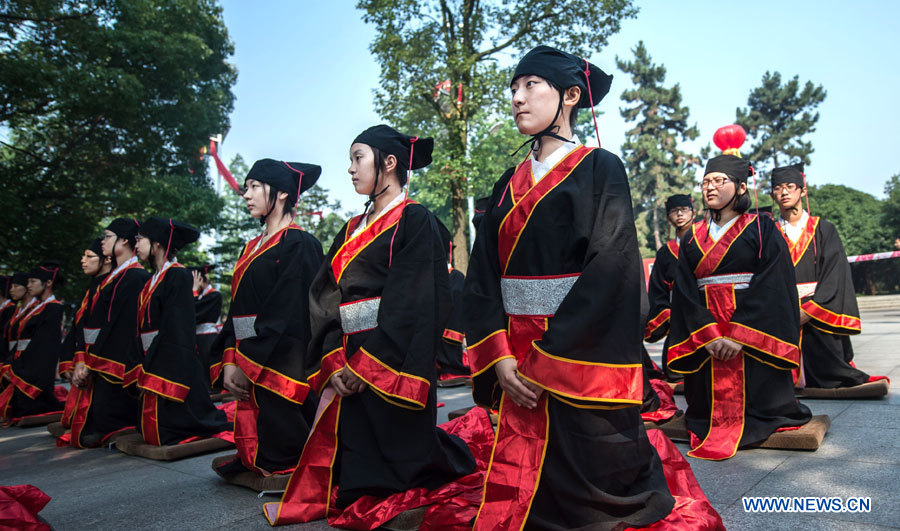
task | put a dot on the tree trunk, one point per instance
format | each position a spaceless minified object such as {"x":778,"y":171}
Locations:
{"x":458,"y":204}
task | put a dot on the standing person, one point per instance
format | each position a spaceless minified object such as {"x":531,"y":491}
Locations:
{"x":267,"y":330}
{"x":96,"y":266}
{"x":32,"y":367}
{"x":734,"y":330}
{"x":175,"y":403}
{"x":111,"y":345}
{"x":553,"y":322}
{"x":378,"y":308}
{"x":828,"y":310}
{"x":453,"y":368}
{"x":207,"y":308}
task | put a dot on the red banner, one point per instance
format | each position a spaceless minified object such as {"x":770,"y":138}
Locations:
{"x":223,"y":170}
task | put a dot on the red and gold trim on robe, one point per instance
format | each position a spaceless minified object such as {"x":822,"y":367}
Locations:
{"x":280,"y":384}
{"x":150,"y":419}
{"x":390,"y":384}
{"x":109,"y":280}
{"x":453,"y":336}
{"x":15,"y":382}
{"x":830,"y":322}
{"x":798,"y":248}
{"x":654,"y":324}
{"x":331,"y":363}
{"x":488,"y":351}
{"x":353,"y":245}
{"x":526,"y":194}
{"x":249,"y":255}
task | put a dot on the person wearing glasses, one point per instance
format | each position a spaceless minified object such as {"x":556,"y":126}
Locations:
{"x":828,"y":311}
{"x":733,"y":333}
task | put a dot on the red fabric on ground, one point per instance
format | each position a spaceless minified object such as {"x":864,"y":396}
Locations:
{"x":19,"y":506}
{"x":228,"y":435}
{"x":453,"y":506}
{"x":876,"y":378}
{"x":667,"y":407}
{"x":692,"y":510}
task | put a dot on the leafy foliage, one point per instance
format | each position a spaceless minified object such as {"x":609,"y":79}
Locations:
{"x":420,"y":44}
{"x":777,"y":117}
{"x":106,"y":104}
{"x":855,"y":214}
{"x":656,"y":167}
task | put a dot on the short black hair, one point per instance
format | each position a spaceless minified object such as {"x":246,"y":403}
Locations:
{"x":381,"y":159}
{"x":573,"y":114}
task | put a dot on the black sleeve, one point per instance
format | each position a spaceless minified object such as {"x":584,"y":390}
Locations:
{"x":659,"y":293}
{"x":326,"y":355}
{"x":37,"y":364}
{"x":833,"y":307}
{"x":175,"y":341}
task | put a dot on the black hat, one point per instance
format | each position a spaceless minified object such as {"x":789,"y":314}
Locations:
{"x":48,"y":270}
{"x":565,"y":70}
{"x":20,"y":279}
{"x":123,"y":227}
{"x":293,"y":178}
{"x":392,"y":142}
{"x":480,"y":208}
{"x":734,"y":167}
{"x":788,"y":174}
{"x":203,"y":269}
{"x":170,"y":232}
{"x":96,"y":247}
{"x":679,"y":200}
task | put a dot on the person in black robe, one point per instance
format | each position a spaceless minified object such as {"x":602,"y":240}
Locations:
{"x":7,"y":309}
{"x":175,"y":402}
{"x":111,"y":345}
{"x":22,"y":302}
{"x":680,"y":215}
{"x":553,"y":302}
{"x":453,"y":368}
{"x":261,"y":352}
{"x":207,"y":309}
{"x":828,"y":310}
{"x":32,"y":367}
{"x":378,"y":307}
{"x":735,"y":323}
{"x":96,"y":266}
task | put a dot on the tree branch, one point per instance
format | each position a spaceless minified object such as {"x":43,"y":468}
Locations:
{"x":518,"y":35}
{"x":6,"y":17}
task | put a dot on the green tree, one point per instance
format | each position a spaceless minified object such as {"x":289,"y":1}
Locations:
{"x":104,"y":105}
{"x":856,"y":215}
{"x":656,"y":166}
{"x":892,"y":207}
{"x":420,"y":44}
{"x":777,"y":118}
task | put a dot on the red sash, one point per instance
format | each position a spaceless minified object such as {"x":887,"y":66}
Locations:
{"x":248,"y":256}
{"x":108,"y":280}
{"x":147,"y":293}
{"x":353,"y":245}
{"x":673,"y":247}
{"x":726,"y":422}
{"x":526,"y":194}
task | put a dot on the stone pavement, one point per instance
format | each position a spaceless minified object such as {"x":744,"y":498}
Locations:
{"x":104,"y":489}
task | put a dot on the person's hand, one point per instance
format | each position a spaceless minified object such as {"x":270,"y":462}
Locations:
{"x":197,"y":277}
{"x":804,"y":317}
{"x":345,"y":383}
{"x":512,"y":385}
{"x":897,"y":244}
{"x":723,"y":349}
{"x":81,"y":375}
{"x":235,"y":381}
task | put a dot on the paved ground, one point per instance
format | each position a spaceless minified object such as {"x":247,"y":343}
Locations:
{"x":103,"y":489}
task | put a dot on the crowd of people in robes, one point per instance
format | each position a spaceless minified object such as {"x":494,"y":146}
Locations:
{"x":333,"y":359}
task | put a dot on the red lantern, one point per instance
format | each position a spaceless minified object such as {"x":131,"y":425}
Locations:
{"x":729,"y":139}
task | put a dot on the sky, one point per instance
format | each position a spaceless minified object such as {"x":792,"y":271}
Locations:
{"x":306,"y":78}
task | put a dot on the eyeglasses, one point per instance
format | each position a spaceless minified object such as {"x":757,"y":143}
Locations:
{"x":717,"y":182}
{"x":790,"y":187}
{"x":681,"y":210}
{"x":108,"y":236}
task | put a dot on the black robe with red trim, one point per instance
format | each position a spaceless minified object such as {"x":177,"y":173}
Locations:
{"x":662,"y":276}
{"x":207,"y":308}
{"x":12,"y":333}
{"x":175,"y":403}
{"x":74,"y":340}
{"x":111,"y":347}
{"x":450,"y":354}
{"x":32,"y":369}
{"x":6,"y":314}
{"x":754,"y":392}
{"x":378,"y":307}
{"x":581,"y":458}
{"x":266,"y":334}
{"x":821,"y":266}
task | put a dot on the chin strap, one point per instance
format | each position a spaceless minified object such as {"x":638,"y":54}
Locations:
{"x":550,"y":131}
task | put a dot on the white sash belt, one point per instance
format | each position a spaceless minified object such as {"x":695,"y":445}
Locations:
{"x":147,"y":339}
{"x":535,"y":295}
{"x":207,"y":328}
{"x":12,"y":346}
{"x":90,"y":335}
{"x":22,"y":344}
{"x":740,"y":280}
{"x":244,"y":327}
{"x":806,"y":289}
{"x":361,"y":315}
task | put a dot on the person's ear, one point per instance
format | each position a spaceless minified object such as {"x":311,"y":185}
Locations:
{"x":390,"y":163}
{"x":572,"y":96}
